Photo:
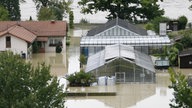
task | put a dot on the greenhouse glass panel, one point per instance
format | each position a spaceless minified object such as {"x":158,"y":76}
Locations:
{"x":114,"y":59}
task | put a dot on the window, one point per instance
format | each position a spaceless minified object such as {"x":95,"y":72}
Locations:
{"x":8,"y":42}
{"x":54,"y":42}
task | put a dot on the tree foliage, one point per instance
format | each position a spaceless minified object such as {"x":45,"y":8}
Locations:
{"x":58,"y":48}
{"x":46,"y":14}
{"x":124,"y":9}
{"x":58,"y":8}
{"x":22,"y":86}
{"x":4,"y":14}
{"x":182,"y":22}
{"x":186,"y":41}
{"x":13,"y":8}
{"x":82,"y":59}
{"x":80,"y":79}
{"x":173,"y":56}
{"x":182,"y":91}
{"x":71,"y":18}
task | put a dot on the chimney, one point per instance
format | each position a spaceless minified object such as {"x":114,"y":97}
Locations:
{"x":52,"y":21}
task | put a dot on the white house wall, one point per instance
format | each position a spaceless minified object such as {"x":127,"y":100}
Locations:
{"x":2,"y":43}
{"x":17,"y":45}
{"x":117,"y":31}
{"x":52,"y":48}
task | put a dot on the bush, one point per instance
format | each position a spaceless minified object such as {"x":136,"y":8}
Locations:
{"x":179,"y":46}
{"x":83,"y":59}
{"x":80,"y":79}
{"x":59,"y":47}
{"x":182,"y":22}
{"x":182,"y":91}
{"x":149,"y":26}
{"x":35,"y":47}
{"x":186,"y":41}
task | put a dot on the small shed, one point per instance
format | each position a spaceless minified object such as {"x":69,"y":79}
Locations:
{"x":185,"y":59}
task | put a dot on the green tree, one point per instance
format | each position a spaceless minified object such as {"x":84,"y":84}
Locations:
{"x":182,"y":91}
{"x":182,"y":22}
{"x":173,"y":56}
{"x":186,"y":41}
{"x":71,"y":18}
{"x":22,"y":86}
{"x":46,"y":14}
{"x":150,"y":9}
{"x":179,"y":46}
{"x":13,"y":8}
{"x":124,"y":9}
{"x":4,"y":14}
{"x":59,"y":8}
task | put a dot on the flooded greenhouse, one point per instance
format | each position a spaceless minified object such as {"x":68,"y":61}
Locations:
{"x":122,"y":62}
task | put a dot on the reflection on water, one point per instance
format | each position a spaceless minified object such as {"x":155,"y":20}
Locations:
{"x":128,"y":95}
{"x":56,"y":61}
{"x":63,"y":63}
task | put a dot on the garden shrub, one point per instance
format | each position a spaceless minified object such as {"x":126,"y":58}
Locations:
{"x":182,"y":22}
{"x":80,"y":79}
{"x":59,"y":47}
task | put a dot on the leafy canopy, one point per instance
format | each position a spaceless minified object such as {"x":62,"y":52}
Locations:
{"x":57,"y":9}
{"x":124,"y":9}
{"x":13,"y":8}
{"x":22,"y":86}
{"x":182,"y":91}
{"x":81,"y":79}
{"x":4,"y":14}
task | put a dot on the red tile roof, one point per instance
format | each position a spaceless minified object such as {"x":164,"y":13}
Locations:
{"x":20,"y":32}
{"x":39,"y":28}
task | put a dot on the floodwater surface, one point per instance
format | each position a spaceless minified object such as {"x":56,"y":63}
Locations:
{"x":129,"y":95}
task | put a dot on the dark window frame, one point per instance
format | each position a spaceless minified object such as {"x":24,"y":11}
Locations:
{"x":8,"y":41}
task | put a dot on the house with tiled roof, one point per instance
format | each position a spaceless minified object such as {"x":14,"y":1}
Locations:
{"x":18,"y":36}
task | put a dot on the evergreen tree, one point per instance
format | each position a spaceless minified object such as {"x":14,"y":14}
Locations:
{"x":13,"y":8}
{"x":71,"y":18}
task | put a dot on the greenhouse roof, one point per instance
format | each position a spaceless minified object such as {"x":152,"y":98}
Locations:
{"x":113,"y":52}
{"x":123,"y":23}
{"x":148,"y":40}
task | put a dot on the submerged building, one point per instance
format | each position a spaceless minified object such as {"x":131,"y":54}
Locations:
{"x":118,"y":31}
{"x":123,"y":62}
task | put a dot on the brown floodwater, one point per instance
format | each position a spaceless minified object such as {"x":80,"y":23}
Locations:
{"x":129,"y":95}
